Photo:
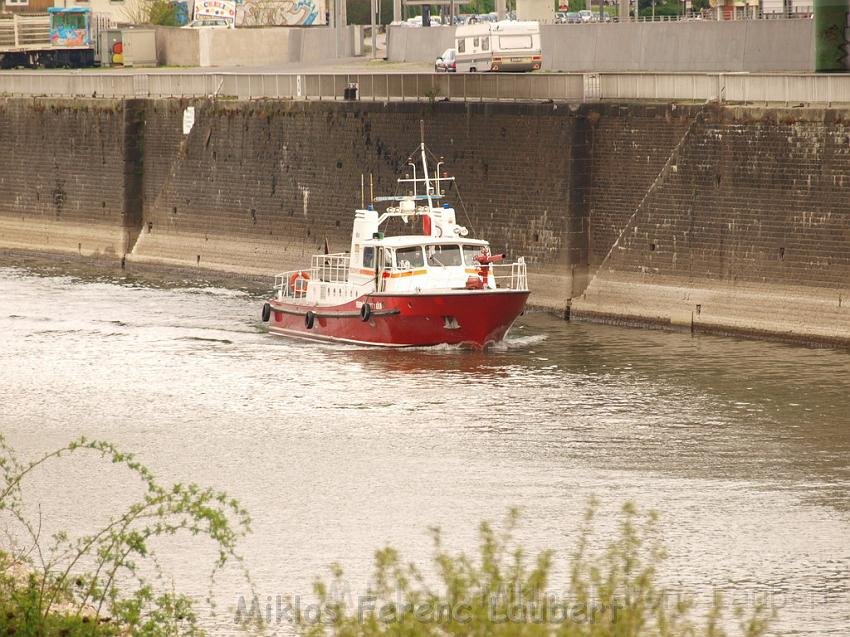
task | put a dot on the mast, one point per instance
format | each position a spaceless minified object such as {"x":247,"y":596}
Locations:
{"x":425,"y":165}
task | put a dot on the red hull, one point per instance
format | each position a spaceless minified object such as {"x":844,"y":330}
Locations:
{"x":471,"y":319}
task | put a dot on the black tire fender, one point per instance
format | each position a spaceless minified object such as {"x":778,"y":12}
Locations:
{"x":365,"y":312}
{"x":309,"y":319}
{"x":267,"y":312}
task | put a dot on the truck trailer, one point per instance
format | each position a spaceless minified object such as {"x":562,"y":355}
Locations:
{"x":64,"y":37}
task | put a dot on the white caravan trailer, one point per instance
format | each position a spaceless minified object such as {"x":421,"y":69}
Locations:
{"x":498,"y":46}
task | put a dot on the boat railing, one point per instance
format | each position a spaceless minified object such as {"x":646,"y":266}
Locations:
{"x":331,"y":268}
{"x":324,"y":268}
{"x":292,"y":284}
{"x":511,"y":276}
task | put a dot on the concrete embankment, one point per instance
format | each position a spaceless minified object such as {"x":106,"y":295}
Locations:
{"x":723,"y":219}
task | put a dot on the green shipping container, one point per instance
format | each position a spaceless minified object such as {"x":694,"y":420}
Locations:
{"x":830,"y":39}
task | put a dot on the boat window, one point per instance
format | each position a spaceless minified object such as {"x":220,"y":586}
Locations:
{"x":485,"y":44}
{"x":369,"y":257}
{"x":461,"y":45}
{"x":469,"y":254}
{"x":410,"y":257}
{"x":475,"y":43}
{"x":444,"y":256}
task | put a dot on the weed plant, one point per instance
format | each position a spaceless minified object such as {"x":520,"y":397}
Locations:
{"x":96,"y":584}
{"x":502,"y":592}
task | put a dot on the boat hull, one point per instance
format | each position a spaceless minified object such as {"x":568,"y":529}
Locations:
{"x":469,"y":318}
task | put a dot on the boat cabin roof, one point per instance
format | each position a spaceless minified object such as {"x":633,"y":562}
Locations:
{"x":406,"y":241}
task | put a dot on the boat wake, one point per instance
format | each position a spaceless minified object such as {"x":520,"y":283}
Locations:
{"x":516,"y":343}
{"x":519,"y":342}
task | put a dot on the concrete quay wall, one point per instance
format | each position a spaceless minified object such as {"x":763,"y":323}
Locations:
{"x":755,"y":46}
{"x":705,"y":218}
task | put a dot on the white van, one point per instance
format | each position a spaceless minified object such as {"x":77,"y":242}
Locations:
{"x":498,"y":46}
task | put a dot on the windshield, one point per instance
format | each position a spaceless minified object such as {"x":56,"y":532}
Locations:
{"x":469,"y":253}
{"x":444,"y":256}
{"x":409,"y":257}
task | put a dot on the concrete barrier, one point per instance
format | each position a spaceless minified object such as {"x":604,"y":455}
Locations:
{"x":409,"y":44}
{"x":702,"y":45}
{"x":251,"y":46}
{"x":177,"y":47}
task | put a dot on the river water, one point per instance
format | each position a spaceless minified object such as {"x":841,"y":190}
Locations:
{"x":742,"y":446}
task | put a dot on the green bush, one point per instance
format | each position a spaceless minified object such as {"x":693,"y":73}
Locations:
{"x":502,"y":592}
{"x":163,"y":13}
{"x":93,"y":585}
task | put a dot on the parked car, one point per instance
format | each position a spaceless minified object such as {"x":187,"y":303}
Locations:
{"x":208,"y":23}
{"x":586,"y":15}
{"x":447,"y":62}
{"x":573,"y":17}
{"x":561,"y":17}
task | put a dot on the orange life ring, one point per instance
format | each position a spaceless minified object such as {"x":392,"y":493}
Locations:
{"x":294,"y":288}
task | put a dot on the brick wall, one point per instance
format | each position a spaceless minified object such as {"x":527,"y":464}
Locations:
{"x":630,"y":143}
{"x":748,"y":231}
{"x":62,"y":176}
{"x":756,"y":196}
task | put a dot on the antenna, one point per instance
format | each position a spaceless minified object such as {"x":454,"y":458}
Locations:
{"x":362,"y":192}
{"x":422,"y":131}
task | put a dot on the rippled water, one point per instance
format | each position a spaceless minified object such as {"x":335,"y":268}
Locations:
{"x":742,"y":446}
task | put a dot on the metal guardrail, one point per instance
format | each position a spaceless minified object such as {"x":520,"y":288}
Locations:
{"x":706,"y":15}
{"x":422,"y":87}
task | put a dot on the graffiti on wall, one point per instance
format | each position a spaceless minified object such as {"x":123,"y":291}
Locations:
{"x":219,"y":9}
{"x":283,"y":12}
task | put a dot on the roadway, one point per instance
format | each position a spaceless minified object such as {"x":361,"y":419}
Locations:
{"x":341,"y":65}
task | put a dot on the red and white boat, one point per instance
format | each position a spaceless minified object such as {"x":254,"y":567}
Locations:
{"x":430,"y":288}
